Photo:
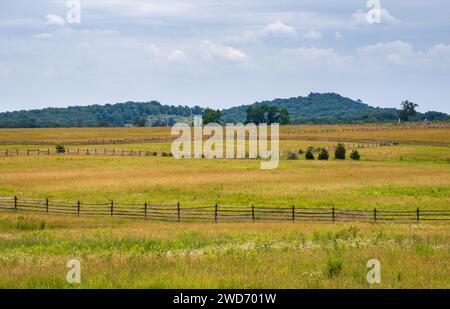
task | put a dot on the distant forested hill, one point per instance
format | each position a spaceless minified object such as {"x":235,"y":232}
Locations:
{"x":315,"y":108}
{"x":117,"y":115}
{"x":330,"y":108}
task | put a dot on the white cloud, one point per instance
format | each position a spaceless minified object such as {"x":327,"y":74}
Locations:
{"x":312,"y":35}
{"x":280,"y":30}
{"x":154,"y":52}
{"x":439,"y":51}
{"x":338,"y":35}
{"x":403,"y":54}
{"x":212,"y":51}
{"x":312,"y":57}
{"x":177,"y":56}
{"x":54,"y":20}
{"x":396,"y":52}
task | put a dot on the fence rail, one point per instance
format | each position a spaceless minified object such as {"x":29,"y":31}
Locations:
{"x":130,"y":152}
{"x":218,"y":213}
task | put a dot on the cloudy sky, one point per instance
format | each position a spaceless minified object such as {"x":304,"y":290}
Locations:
{"x":223,"y":53}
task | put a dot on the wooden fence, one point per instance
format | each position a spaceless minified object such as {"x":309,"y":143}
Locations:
{"x":122,"y":152}
{"x":216,"y":213}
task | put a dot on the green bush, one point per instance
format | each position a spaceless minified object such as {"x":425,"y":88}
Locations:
{"x":323,"y":154}
{"x":60,"y":149}
{"x":355,"y":155}
{"x":339,"y":153}
{"x":334,"y":267}
{"x":309,"y":155}
{"x":300,"y":151}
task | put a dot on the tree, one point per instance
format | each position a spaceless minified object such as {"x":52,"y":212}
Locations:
{"x":408,"y":110}
{"x":284,"y":118}
{"x":309,"y":155}
{"x":272,"y":114}
{"x":323,"y":154}
{"x":139,"y":121}
{"x":211,"y":115}
{"x":339,"y":153}
{"x":355,"y":155}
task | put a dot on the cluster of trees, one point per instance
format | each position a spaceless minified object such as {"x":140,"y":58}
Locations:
{"x":263,"y":113}
{"x":332,"y":108}
{"x":325,"y":108}
{"x":210,"y":115}
{"x":116,"y":115}
{"x":323,"y":154}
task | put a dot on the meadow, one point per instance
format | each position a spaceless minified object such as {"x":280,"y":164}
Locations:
{"x":124,"y":253}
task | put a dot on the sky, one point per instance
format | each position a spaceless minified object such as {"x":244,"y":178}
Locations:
{"x":223,"y":53}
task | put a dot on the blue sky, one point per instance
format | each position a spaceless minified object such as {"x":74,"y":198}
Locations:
{"x":223,"y":53}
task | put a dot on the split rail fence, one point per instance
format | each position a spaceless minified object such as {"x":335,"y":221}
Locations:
{"x":216,"y":213}
{"x":122,"y":152}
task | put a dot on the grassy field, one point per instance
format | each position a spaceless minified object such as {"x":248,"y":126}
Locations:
{"x":124,"y":254}
{"x":416,"y":134}
{"x":121,"y":253}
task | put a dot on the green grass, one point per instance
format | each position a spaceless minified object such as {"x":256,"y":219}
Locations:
{"x":124,"y":254}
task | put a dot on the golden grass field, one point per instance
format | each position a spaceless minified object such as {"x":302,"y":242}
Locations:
{"x":122,"y":253}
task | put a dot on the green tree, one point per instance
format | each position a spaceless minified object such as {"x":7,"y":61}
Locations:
{"x":309,"y":155}
{"x":284,"y":118}
{"x":210,"y":115}
{"x":139,"y":121}
{"x":355,"y":155}
{"x":323,"y":154}
{"x":408,"y":110}
{"x":339,"y":153}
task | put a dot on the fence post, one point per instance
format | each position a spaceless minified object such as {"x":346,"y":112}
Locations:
{"x":293,"y":213}
{"x":6,"y":152}
{"x":15,"y":203}
{"x":375,"y":215}
{"x":215,"y":213}
{"x":46,"y":205}
{"x":332,"y":214}
{"x":78,"y":208}
{"x":112,"y":208}
{"x":418,"y":215}
{"x":178,"y":211}
{"x":253,"y":213}
{"x":145,"y":211}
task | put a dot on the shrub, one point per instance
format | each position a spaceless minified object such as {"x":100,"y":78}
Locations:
{"x":300,"y":151}
{"x":334,"y":267}
{"x":309,"y":155}
{"x":323,"y":154}
{"x":355,"y":155}
{"x":339,"y":153}
{"x":291,"y":155}
{"x":60,"y":149}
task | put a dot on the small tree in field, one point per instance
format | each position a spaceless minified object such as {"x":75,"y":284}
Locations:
{"x":339,"y":153}
{"x":355,"y":155}
{"x":309,"y":155}
{"x":60,"y":149}
{"x":408,"y":110}
{"x":323,"y":154}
